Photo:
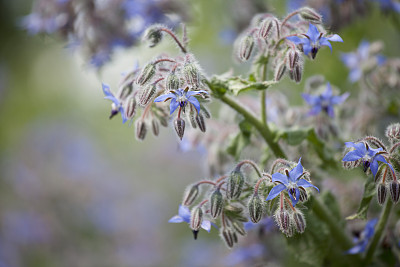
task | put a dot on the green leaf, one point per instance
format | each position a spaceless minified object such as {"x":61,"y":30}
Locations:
{"x":369,"y":192}
{"x":295,"y":137}
{"x":241,"y":140}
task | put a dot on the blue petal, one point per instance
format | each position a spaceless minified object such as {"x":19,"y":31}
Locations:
{"x":339,"y":99}
{"x":184,"y":212}
{"x":311,"y":99}
{"x":304,"y":183}
{"x":335,"y":38}
{"x":195,"y":103}
{"x":357,"y":249}
{"x":206,"y":225}
{"x":369,"y":228}
{"x":113,"y":99}
{"x":315,"y":110}
{"x":350,"y":60}
{"x":363,"y":50}
{"x":176,"y":219}
{"x":330,"y":111}
{"x":106,"y":89}
{"x":164,"y":97}
{"x":372,"y":151}
{"x":360,"y":148}
{"x":279,"y":177}
{"x":173,"y":106}
{"x":122,"y":111}
{"x":294,"y":201}
{"x":191,"y":93}
{"x":295,"y":39}
{"x":275,"y":191}
{"x":374,"y":167}
{"x":313,"y":33}
{"x":324,"y":42}
{"x":352,"y":156}
{"x":307,"y":48}
{"x":355,"y":75}
{"x":296,"y":172}
{"x":328,"y":92}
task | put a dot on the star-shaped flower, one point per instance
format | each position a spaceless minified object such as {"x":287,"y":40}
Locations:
{"x":184,"y":216}
{"x":313,"y":40}
{"x":291,"y":182}
{"x":365,"y":236}
{"x":369,"y":156}
{"x":117,"y":105}
{"x":324,"y":102}
{"x":180,"y":98}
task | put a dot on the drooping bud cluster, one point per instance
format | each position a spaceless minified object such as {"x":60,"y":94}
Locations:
{"x":393,"y":132}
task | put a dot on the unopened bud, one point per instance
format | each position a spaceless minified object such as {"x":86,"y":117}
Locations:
{"x":196,"y":218}
{"x":192,"y":118}
{"x":280,"y":71}
{"x":217,"y":203}
{"x":303,"y":195}
{"x":192,"y":75}
{"x":265,"y":28}
{"x":141,"y":129}
{"x":293,"y":58}
{"x":246,"y":47}
{"x":381,"y":194}
{"x":179,"y":125}
{"x":190,"y":194}
{"x":130,"y":108}
{"x":234,"y":184}
{"x":147,"y":94}
{"x":255,"y":206}
{"x":147,"y":73}
{"x":310,"y":15}
{"x":155,"y":127}
{"x":172,"y":82}
{"x":153,"y":35}
{"x":227,"y":236}
{"x":282,"y":218}
{"x":200,"y":122}
{"x":299,"y":222}
{"x":206,"y":112}
{"x":393,"y":132}
{"x":163,"y":121}
{"x":394,"y":191}
{"x":296,"y":73}
{"x":239,"y":227}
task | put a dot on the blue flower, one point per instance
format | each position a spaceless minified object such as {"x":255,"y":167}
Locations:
{"x":365,"y":236}
{"x":354,"y":60}
{"x":117,"y":105}
{"x":313,"y":40}
{"x":180,"y":98}
{"x":245,"y":255}
{"x":291,"y":182}
{"x":389,"y":5}
{"x":184,"y":216}
{"x":324,"y":101}
{"x":369,"y":156}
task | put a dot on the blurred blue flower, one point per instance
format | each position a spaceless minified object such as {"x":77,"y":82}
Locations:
{"x":365,"y":236}
{"x":354,"y":60}
{"x":117,"y":105}
{"x":291,"y":182}
{"x":180,"y":98}
{"x":245,"y":255}
{"x":389,"y":5}
{"x":184,"y":216}
{"x":266,"y":224}
{"x":324,"y":102}
{"x":313,"y":40}
{"x":369,"y":156}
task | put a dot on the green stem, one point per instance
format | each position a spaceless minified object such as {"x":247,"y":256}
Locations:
{"x":263,"y":129}
{"x":264,"y":94}
{"x":378,"y":232}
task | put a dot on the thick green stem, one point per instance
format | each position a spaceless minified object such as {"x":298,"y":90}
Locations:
{"x":378,"y":232}
{"x":263,"y":94}
{"x":261,"y":127}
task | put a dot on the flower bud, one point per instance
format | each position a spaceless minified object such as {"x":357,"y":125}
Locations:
{"x":381,"y":194}
{"x":206,"y":112}
{"x":141,"y":129}
{"x":265,"y":28}
{"x":192,"y":118}
{"x":163,"y":121}
{"x":155,"y":127}
{"x":256,"y":208}
{"x":282,"y":218}
{"x":299,"y":222}
{"x":190,"y":194}
{"x":246,"y":47}
{"x":196,"y":218}
{"x":130,"y":108}
{"x":234,"y":184}
{"x":239,"y":227}
{"x":147,"y":73}
{"x":153,"y":35}
{"x":394,"y":191}
{"x":147,"y":94}
{"x":310,"y":15}
{"x":217,"y":203}
{"x":179,"y":125}
{"x":280,"y":71}
{"x":200,"y":122}
{"x":227,"y":236}
{"x":296,"y":73}
{"x":172,"y":82}
{"x":293,"y":58}
{"x":303,"y":195}
{"x":393,"y":132}
{"x":192,"y":75}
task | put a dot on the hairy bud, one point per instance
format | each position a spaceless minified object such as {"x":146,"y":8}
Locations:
{"x":200,"y":122}
{"x":155,"y":127}
{"x":153,"y":35}
{"x":179,"y":125}
{"x":227,"y":236}
{"x":234,"y":184}
{"x":190,"y":194}
{"x":393,"y":132}
{"x":192,"y":118}
{"x":394,"y":191}
{"x":147,"y":73}
{"x":239,"y":227}
{"x":217,"y":203}
{"x":255,"y":207}
{"x":192,"y":75}
{"x":172,"y":82}
{"x":296,"y":73}
{"x":130,"y":108}
{"x":246,"y":47}
{"x":196,"y":218}
{"x":265,"y":28}
{"x":280,"y":71}
{"x":282,"y":218}
{"x":163,"y":121}
{"x":381,"y":193}
{"x":147,"y":94}
{"x":293,"y":57}
{"x":299,"y":222}
{"x":310,"y":15}
{"x":141,"y":129}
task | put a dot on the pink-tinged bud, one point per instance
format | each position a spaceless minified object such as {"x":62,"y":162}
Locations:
{"x":256,"y":208}
{"x":147,"y":94}
{"x":234,"y":184}
{"x":280,"y":71}
{"x":172,"y":82}
{"x":141,"y":129}
{"x":299,"y":222}
{"x":153,"y":35}
{"x":394,"y":191}
{"x":179,"y":125}
{"x":147,"y":73}
{"x":393,"y":132}
{"x":246,"y":47}
{"x":265,"y":28}
{"x":196,"y":218}
{"x":381,"y":193}
{"x":155,"y":127}
{"x":130,"y":108}
{"x":310,"y":15}
{"x":200,"y":122}
{"x":217,"y":203}
{"x":190,"y":195}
